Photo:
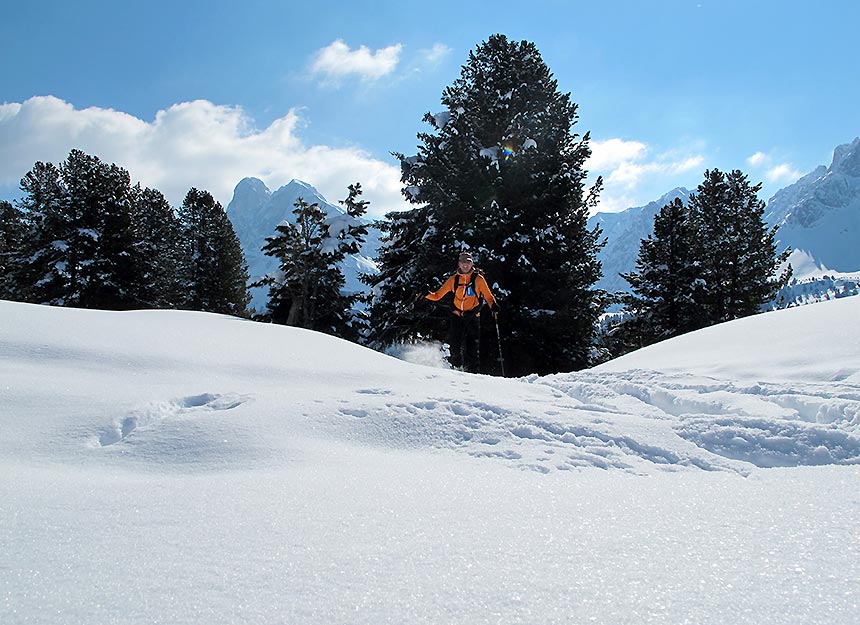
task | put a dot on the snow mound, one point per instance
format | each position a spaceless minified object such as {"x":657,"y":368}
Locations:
{"x":778,"y":389}
{"x":807,"y":343}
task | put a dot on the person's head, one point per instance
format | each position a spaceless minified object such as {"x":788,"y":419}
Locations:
{"x":465,"y":262}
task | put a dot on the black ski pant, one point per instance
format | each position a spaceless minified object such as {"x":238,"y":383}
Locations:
{"x":464,"y":340}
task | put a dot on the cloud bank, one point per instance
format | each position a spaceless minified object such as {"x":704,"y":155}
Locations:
{"x":191,"y":144}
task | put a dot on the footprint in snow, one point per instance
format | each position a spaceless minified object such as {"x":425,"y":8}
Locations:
{"x":120,"y":429}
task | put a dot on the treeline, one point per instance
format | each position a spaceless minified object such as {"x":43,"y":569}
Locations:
{"x":84,"y":236}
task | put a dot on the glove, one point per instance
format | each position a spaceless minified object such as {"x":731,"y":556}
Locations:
{"x":495,"y":308}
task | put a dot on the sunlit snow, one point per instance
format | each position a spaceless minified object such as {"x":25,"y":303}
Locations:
{"x":180,"y":467}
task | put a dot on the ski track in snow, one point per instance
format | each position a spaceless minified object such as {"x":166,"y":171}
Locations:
{"x":632,"y":421}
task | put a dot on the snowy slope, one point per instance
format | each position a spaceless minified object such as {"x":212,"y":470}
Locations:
{"x":255,"y":212}
{"x":809,"y":344}
{"x":181,"y":467}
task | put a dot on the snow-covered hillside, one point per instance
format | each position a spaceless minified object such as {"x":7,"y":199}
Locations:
{"x":180,"y":467}
{"x":255,"y":212}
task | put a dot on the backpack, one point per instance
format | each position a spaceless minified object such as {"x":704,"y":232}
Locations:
{"x":447,"y":301}
{"x":470,"y":288}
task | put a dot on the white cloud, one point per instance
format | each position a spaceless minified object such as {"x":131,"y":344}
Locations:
{"x":336,"y":62}
{"x":632,"y":177}
{"x":191,"y":144}
{"x":758,"y":159}
{"x":437,"y":53}
{"x":783,"y":173}
{"x":613,"y":152}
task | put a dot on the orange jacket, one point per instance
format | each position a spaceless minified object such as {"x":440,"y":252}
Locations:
{"x":466,"y":299}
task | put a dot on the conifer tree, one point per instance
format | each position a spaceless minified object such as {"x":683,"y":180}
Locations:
{"x":754,"y":281}
{"x":665,"y":282}
{"x":737,"y":255}
{"x":161,"y":257}
{"x":78,"y":241}
{"x":350,"y":231}
{"x":711,"y":261}
{"x":100,"y":241}
{"x":11,"y":241}
{"x":408,"y":249}
{"x":501,"y":174}
{"x":307,"y":288}
{"x":43,"y":275}
{"x":217,"y":274}
{"x":351,"y":234}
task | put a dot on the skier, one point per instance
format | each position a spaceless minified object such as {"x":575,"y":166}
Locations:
{"x":470,"y":291}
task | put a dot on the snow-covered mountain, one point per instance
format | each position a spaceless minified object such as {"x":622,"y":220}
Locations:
{"x":255,"y":212}
{"x":182,"y":467}
{"x":819,"y":216}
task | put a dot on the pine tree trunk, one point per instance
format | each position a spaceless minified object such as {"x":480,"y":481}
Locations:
{"x":295,"y":312}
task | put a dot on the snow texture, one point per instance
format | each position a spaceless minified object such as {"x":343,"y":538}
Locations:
{"x":181,"y":467}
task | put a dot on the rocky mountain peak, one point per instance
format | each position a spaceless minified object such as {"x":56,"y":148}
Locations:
{"x":846,"y":159}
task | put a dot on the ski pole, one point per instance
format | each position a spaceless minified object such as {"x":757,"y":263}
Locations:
{"x":499,"y":340}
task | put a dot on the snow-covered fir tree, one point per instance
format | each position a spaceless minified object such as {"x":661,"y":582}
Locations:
{"x":710,"y":261}
{"x":42,"y":272}
{"x":77,"y":245}
{"x":99,"y":196}
{"x":665,"y":282}
{"x":217,"y":274}
{"x":501,"y":174}
{"x":736,"y":251}
{"x":307,"y":288}
{"x":163,"y":261}
{"x":11,"y":239}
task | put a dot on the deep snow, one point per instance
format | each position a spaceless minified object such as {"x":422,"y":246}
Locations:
{"x":178,"y":467}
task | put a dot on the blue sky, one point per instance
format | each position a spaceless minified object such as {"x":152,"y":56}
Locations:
{"x":195,"y":93}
